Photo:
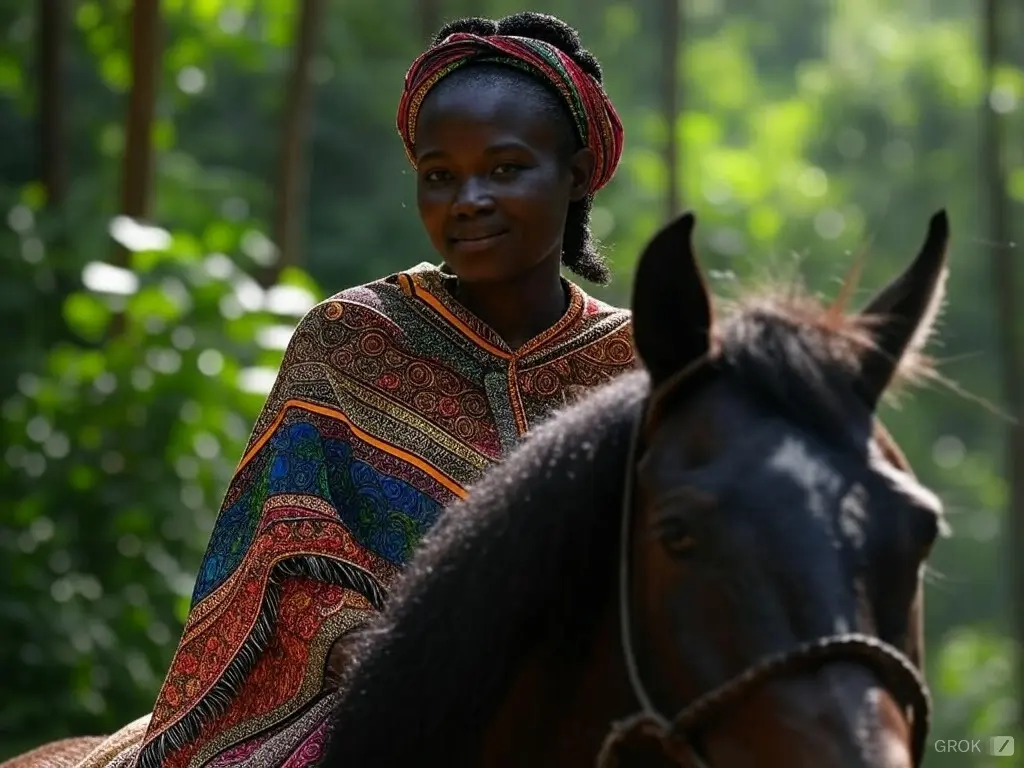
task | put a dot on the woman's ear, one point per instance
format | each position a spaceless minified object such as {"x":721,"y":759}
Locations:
{"x":582,"y":165}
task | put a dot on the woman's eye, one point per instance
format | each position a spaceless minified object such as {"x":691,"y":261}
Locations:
{"x":506,"y":168}
{"x":435,"y":176}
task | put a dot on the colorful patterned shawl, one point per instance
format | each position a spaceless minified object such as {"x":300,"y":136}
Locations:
{"x":391,"y":400}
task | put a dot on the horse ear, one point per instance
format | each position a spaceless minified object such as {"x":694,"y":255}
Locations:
{"x":671,"y":307}
{"x":902,"y":316}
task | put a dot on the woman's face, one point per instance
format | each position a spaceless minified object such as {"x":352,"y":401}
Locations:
{"x":497,"y":169}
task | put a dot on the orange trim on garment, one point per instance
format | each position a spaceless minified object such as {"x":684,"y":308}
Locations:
{"x":442,"y":310}
{"x":416,"y":461}
{"x":414,"y":287}
{"x":572,"y":314}
{"x":516,"y":400}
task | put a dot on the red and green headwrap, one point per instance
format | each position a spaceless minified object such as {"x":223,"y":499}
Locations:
{"x":596,"y":120}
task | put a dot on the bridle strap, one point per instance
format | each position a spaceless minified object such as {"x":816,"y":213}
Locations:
{"x":636,"y":683}
{"x":625,"y":613}
{"x":895,"y":669}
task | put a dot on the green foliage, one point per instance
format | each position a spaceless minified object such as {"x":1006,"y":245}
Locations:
{"x":115,"y":459}
{"x":811,"y":132}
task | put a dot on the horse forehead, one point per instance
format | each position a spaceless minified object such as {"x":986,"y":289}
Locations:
{"x":826,"y":484}
{"x":793,"y":459}
{"x":783,"y":467}
{"x":763,"y":454}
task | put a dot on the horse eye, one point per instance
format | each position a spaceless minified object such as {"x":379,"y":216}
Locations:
{"x":680,"y":546}
{"x":676,"y":537}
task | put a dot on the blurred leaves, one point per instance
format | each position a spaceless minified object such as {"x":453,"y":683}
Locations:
{"x":115,"y":457}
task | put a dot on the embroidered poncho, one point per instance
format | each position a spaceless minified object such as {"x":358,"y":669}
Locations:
{"x":391,"y":400}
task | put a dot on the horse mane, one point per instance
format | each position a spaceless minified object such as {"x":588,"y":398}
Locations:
{"x":511,"y":566}
{"x":530,"y":555}
{"x":804,"y":356}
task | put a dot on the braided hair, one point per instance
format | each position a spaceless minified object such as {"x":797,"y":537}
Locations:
{"x":579,"y":250}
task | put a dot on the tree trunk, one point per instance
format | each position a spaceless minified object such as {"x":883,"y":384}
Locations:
{"x":429,"y":12}
{"x":137,"y":167}
{"x":289,"y":203}
{"x":54,"y":282}
{"x":137,"y":161}
{"x":1009,"y":339}
{"x":671,"y":20}
{"x":52,"y":54}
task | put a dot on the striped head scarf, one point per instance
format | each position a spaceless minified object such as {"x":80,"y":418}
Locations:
{"x":596,"y":121}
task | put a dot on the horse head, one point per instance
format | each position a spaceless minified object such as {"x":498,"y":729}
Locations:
{"x":774,"y":538}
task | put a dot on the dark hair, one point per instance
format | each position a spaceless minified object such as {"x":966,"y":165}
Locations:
{"x":579,"y":251}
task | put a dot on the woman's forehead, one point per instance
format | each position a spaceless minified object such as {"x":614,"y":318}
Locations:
{"x":474,"y":114}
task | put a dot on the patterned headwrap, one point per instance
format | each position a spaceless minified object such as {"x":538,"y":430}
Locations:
{"x":597,"y":123}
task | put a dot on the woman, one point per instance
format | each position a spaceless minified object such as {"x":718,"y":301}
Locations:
{"x":396,"y":396}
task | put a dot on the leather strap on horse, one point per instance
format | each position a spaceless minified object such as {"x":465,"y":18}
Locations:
{"x":643,"y":739}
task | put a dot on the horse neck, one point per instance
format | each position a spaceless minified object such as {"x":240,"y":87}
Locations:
{"x":557,"y":714}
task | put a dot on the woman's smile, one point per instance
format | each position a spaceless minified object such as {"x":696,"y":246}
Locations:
{"x":476,"y":242}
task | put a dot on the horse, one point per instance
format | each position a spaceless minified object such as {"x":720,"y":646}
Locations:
{"x":714,"y":561}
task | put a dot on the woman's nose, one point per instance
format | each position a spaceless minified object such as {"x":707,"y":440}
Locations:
{"x":473,"y":197}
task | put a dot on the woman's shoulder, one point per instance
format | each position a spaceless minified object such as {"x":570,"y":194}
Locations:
{"x":382,"y":296}
{"x":597,"y":310}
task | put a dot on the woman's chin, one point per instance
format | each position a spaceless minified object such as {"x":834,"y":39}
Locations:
{"x":485,"y":266}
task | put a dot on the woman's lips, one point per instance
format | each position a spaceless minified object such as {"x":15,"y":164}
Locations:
{"x":472,"y":244}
